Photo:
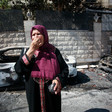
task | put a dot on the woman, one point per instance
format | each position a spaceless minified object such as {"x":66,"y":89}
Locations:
{"x":42,"y":65}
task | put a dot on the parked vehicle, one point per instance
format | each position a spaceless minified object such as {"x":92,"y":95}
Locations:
{"x":8,"y":76}
{"x":8,"y":58}
{"x":71,"y":62}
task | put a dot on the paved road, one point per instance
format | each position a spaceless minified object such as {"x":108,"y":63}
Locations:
{"x":86,"y":93}
{"x":75,"y":100}
{"x":87,"y":101}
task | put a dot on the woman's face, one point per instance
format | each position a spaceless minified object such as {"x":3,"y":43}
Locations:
{"x":37,"y":35}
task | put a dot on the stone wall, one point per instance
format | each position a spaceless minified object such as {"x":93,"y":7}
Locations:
{"x":106,"y":43}
{"x":8,"y":39}
{"x":85,"y":46}
{"x":80,"y":44}
{"x":75,"y":43}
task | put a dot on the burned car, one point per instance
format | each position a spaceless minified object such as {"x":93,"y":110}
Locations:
{"x":8,"y":76}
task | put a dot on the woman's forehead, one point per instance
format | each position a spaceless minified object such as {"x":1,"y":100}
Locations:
{"x":35,"y":31}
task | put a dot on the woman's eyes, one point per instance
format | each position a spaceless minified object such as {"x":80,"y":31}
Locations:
{"x":36,"y":34}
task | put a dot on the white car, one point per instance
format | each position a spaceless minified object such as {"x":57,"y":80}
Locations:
{"x":71,"y":62}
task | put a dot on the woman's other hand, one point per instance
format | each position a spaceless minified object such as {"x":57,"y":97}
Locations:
{"x":57,"y":87}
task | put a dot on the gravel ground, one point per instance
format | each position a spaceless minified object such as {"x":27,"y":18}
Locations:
{"x":89,"y":91}
{"x":94,"y":100}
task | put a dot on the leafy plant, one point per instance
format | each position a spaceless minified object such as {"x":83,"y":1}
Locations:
{"x":4,"y":4}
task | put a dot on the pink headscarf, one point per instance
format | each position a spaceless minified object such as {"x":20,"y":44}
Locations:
{"x":46,"y":65}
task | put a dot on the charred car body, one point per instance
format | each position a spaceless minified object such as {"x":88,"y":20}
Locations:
{"x":8,"y":76}
{"x":8,"y":58}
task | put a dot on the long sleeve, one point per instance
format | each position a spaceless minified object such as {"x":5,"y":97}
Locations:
{"x":21,"y":68}
{"x":63,"y":75}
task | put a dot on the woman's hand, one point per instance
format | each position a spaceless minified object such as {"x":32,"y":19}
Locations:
{"x":57,"y":87}
{"x":35,"y":44}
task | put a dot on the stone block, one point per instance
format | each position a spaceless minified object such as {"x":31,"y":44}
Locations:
{"x":82,"y":47}
{"x":21,"y":44}
{"x":8,"y":40}
{"x":68,"y":38}
{"x":67,"y":48}
{"x":75,"y":47}
{"x":60,"y":48}
{"x":70,"y":43}
{"x":3,"y":35}
{"x":64,"y":43}
{"x":1,"y":40}
{"x":12,"y":35}
{"x":52,"y":33}
{"x":88,"y":52}
{"x":88,"y":43}
{"x":74,"y":52}
{"x":60,"y":38}
{"x":19,"y":35}
{"x":75,"y":43}
{"x":67,"y":52}
{"x":74,"y":38}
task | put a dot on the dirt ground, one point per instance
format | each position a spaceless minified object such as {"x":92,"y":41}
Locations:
{"x":89,"y":91}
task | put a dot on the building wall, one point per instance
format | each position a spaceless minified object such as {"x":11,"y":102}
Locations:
{"x":8,"y":39}
{"x":106,"y":43}
{"x":85,"y":46}
{"x":76,"y":43}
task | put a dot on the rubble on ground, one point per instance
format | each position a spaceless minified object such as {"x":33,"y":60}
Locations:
{"x":97,"y":77}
